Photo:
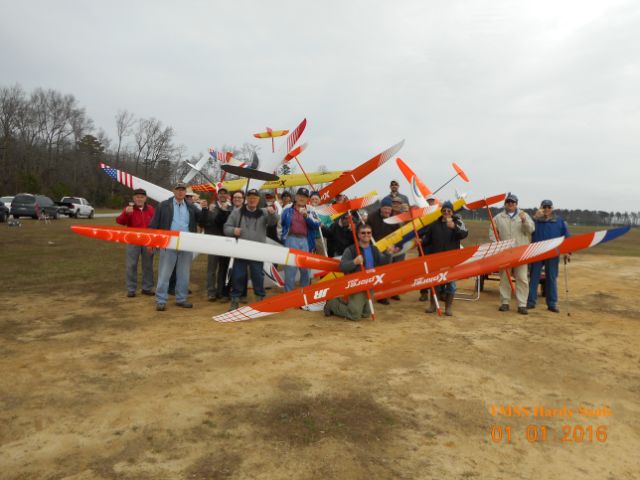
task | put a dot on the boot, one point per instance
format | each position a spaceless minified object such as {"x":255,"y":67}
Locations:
{"x":234,"y":304}
{"x":448,"y":311}
{"x":432,"y":306}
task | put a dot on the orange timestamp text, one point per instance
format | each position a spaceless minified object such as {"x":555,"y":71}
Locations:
{"x":543,"y":433}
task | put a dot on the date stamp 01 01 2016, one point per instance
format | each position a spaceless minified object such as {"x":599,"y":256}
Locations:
{"x":588,"y":433}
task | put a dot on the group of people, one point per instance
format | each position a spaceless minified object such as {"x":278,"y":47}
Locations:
{"x":296,"y":224}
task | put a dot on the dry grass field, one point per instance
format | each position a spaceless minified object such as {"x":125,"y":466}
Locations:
{"x":95,"y":385}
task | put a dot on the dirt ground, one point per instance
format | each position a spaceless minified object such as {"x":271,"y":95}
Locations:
{"x":101,"y":386}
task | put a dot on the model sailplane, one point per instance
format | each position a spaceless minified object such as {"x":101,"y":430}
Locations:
{"x":424,"y":272}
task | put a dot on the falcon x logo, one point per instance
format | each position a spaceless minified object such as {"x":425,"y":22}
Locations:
{"x":440,"y":278}
{"x":375,"y":280}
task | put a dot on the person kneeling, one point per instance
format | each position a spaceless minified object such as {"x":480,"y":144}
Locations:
{"x":356,"y":306}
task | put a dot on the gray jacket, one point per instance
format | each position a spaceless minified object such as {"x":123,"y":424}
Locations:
{"x":513,"y":228}
{"x":254,"y":224}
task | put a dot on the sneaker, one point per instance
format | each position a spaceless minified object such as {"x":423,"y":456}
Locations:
{"x":234,"y":304}
{"x":384,"y":301}
{"x":212,"y":298}
{"x":184,"y":304}
{"x":504,"y":307}
{"x":131,"y":294}
{"x":160,"y":307}
{"x":259,"y":298}
{"x":244,"y":300}
{"x":523,"y":311}
{"x":327,"y":310}
{"x":530,"y":306}
{"x":148,"y":292}
{"x":554,"y":309}
{"x":396,"y":297}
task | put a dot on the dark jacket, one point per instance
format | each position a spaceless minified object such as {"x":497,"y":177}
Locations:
{"x":440,"y":238}
{"x":212,"y":219}
{"x":164,"y":216}
{"x":338,"y":238}
{"x":347,"y":265}
{"x":378,"y":227}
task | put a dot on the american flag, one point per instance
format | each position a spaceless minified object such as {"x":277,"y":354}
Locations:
{"x":222,"y":157}
{"x":122,"y":177}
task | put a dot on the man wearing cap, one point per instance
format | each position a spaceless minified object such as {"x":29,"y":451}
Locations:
{"x":394,"y":186}
{"x":249,"y":223}
{"x":440,"y":236}
{"x":138,"y":215}
{"x":299,"y":228}
{"x":174,"y":214}
{"x":548,"y":225}
{"x":212,"y":219}
{"x":513,"y":224}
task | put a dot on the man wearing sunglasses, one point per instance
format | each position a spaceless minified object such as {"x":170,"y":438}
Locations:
{"x":548,"y":225}
{"x":443,"y":235}
{"x":513,"y":224}
{"x":357,"y":305}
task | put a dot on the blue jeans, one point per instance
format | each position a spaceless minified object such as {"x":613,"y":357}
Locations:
{"x":182,"y":263}
{"x":239,"y":278}
{"x":299,"y":243}
{"x":447,"y":288}
{"x":551,"y":267}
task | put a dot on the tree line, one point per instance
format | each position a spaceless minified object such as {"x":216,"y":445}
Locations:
{"x":49,"y":145}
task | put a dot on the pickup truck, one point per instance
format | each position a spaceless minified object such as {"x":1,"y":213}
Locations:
{"x":78,"y":207}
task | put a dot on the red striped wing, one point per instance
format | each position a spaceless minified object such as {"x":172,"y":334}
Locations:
{"x":347,"y":179}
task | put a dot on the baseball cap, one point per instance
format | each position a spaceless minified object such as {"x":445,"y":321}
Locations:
{"x":140,"y":191}
{"x":447,"y":204}
{"x":303,"y":191}
{"x":222,"y":189}
{"x":180,"y":185}
{"x":511,"y":197}
{"x":546,"y":203}
{"x":253,"y":191}
{"x":386,"y":202}
{"x":394,"y":182}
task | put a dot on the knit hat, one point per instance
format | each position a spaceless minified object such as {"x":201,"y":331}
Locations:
{"x":386,"y":202}
{"x":447,"y":204}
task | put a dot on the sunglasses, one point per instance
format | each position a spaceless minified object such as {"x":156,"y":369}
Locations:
{"x":547,"y":206}
{"x":510,"y":201}
{"x":365,"y":233}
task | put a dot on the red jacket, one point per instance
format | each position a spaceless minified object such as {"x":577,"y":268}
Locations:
{"x":138,"y":218}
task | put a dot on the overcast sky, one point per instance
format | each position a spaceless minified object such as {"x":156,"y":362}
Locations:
{"x":537,"y":97}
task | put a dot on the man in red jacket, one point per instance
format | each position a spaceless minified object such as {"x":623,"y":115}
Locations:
{"x":138,"y":215}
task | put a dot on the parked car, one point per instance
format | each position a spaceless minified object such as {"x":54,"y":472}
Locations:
{"x":28,"y":205}
{"x":6,"y":201}
{"x":78,"y":207}
{"x":4,"y":213}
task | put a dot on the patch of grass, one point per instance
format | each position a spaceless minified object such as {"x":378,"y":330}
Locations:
{"x":307,"y":420}
{"x":49,"y":259}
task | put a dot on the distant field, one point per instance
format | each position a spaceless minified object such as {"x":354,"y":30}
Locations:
{"x":38,"y":255}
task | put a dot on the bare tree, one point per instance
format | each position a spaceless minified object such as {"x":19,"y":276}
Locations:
{"x":124,"y":124}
